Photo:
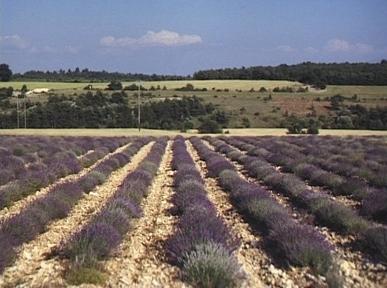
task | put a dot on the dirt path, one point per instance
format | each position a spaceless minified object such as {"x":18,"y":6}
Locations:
{"x":356,"y":268}
{"x":140,"y":260}
{"x":85,"y":155}
{"x":31,"y":269}
{"x":21,"y":204}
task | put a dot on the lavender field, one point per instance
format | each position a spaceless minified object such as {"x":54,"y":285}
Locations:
{"x":221,"y":211}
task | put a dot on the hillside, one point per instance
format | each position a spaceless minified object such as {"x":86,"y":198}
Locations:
{"x":240,"y":99}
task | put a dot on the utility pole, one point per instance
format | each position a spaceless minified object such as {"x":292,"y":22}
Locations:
{"x":24,"y":94}
{"x":139,"y":106}
{"x":17,"y":110}
{"x":25,"y":110}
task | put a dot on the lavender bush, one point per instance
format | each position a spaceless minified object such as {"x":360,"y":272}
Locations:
{"x":202,"y":244}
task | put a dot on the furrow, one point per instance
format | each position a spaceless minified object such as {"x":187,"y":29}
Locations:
{"x":140,"y":259}
{"x":32,"y":268}
{"x":18,"y":206}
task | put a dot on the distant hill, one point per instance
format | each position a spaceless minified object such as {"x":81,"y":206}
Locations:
{"x":86,"y":75}
{"x":318,"y":74}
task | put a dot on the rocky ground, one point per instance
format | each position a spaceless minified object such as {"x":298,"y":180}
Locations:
{"x":140,"y":260}
{"x":32,"y":268}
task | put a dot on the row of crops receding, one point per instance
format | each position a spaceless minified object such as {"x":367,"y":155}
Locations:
{"x":31,"y":163}
{"x":56,"y":203}
{"x":309,"y":203}
{"x":336,"y":215}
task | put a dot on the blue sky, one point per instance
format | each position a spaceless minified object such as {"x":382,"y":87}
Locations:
{"x":183,"y":36}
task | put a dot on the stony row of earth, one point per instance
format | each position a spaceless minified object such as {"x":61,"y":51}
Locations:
{"x":140,"y":260}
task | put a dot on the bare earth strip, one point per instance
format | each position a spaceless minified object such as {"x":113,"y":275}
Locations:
{"x":23,"y":203}
{"x":355,"y":267}
{"x":140,"y":260}
{"x":31,"y":268}
{"x":254,"y":260}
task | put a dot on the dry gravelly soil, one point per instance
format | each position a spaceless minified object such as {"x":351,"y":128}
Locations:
{"x":140,"y":260}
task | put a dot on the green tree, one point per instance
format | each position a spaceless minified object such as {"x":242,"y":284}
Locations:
{"x":209,"y":126}
{"x":313,"y":126}
{"x":294,"y":125}
{"x":115,"y":85}
{"x":5,"y":73}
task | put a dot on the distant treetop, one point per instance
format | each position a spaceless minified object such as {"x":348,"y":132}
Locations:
{"x":86,"y":75}
{"x":317,"y":74}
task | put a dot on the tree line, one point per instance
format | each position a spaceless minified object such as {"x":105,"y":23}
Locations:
{"x":317,"y":74}
{"x":101,"y":110}
{"x":86,"y":75}
{"x":341,"y":116}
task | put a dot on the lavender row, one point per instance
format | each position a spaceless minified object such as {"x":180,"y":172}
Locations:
{"x":47,"y":171}
{"x":373,"y":238}
{"x":373,"y":201}
{"x":20,"y":153}
{"x":96,"y":240}
{"x":202,"y":245}
{"x":299,"y":244}
{"x":363,"y":151}
{"x":356,"y":169}
{"x":56,"y":204}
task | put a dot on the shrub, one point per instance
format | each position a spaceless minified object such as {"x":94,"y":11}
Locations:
{"x":184,"y":201}
{"x":10,"y":193}
{"x":56,"y":207}
{"x":375,"y":205}
{"x":199,"y":225}
{"x":313,"y":129}
{"x":286,"y":183}
{"x":323,"y":178}
{"x":134,"y":189}
{"x":131,"y":209}
{"x":260,"y":172}
{"x":234,"y":155}
{"x":187,"y":173}
{"x":267,"y":211}
{"x":379,"y":179}
{"x":115,"y":217}
{"x":7,"y":252}
{"x":210,"y":265}
{"x":337,"y":216}
{"x":302,"y":246}
{"x":305,"y":170}
{"x":115,"y":85}
{"x":375,"y":240}
{"x":149,"y":167}
{"x":354,"y":187}
{"x":209,"y":126}
{"x":217,"y":164}
{"x":88,"y":182}
{"x":5,"y":176}
{"x":78,"y":275}
{"x":190,"y":186}
{"x":92,"y":243}
{"x":24,"y":226}
{"x":101,"y":178}
{"x":228,"y":179}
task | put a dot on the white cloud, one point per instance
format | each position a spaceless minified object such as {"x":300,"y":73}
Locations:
{"x":311,"y":50}
{"x":71,"y":49}
{"x":13,"y":41}
{"x":45,"y":49}
{"x":162,"y":38}
{"x":340,"y":45}
{"x":285,"y":48}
